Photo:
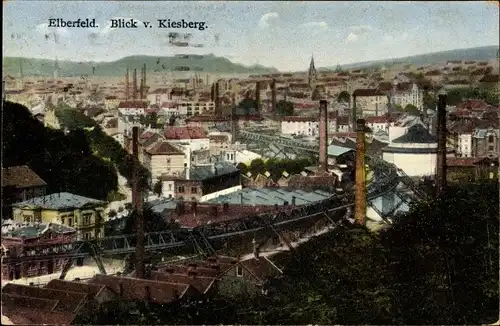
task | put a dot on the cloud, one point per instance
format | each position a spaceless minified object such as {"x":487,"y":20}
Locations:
{"x":263,"y":21}
{"x":56,"y":31}
{"x":361,"y":29}
{"x":321,"y":25}
{"x":351,"y":38}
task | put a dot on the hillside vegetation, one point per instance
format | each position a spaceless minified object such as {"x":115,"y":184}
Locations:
{"x":483,"y":53}
{"x":65,"y":162}
{"x":200,"y":64}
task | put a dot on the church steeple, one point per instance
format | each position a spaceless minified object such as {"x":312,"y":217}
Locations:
{"x":312,"y":74}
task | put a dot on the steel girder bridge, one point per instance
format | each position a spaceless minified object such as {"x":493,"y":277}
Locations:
{"x":387,"y":179}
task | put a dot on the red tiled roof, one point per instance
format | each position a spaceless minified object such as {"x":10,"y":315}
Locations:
{"x":207,"y":118}
{"x":212,"y":271}
{"x":21,"y":177}
{"x":201,"y":283}
{"x":164,"y":148}
{"x":132,"y":104}
{"x":137,"y":289}
{"x":184,"y":133}
{"x":29,"y":302}
{"x":461,"y":161}
{"x":367,"y":92}
{"x":298,"y":119}
{"x":92,"y":290}
{"x":377,"y":119}
{"x":32,"y":316}
{"x":67,"y":301}
{"x":261,"y":268}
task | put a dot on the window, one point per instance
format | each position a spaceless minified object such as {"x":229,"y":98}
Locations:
{"x":194,"y":190}
{"x":239,"y":271}
{"x":170,"y":187}
{"x":491,"y":148}
{"x":491,"y":139}
{"x":87,"y":235}
{"x":86,"y":219}
{"x":168,"y":160}
{"x":180,"y":189}
{"x":27,"y":218}
{"x":70,"y":221}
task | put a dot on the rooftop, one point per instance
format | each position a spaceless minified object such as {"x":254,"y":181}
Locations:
{"x":203,"y":172}
{"x":265,"y":196}
{"x":34,"y":230}
{"x":416,"y":134}
{"x":21,"y":177}
{"x":58,"y":201}
{"x":334,"y":150}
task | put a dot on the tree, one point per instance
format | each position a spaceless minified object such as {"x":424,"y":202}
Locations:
{"x":242,"y":167}
{"x":257,"y":166}
{"x":343,"y":97}
{"x":429,"y":101}
{"x":247,"y":105}
{"x":157,"y":188}
{"x":284,"y":108}
{"x":112,"y":213}
{"x":412,"y":109}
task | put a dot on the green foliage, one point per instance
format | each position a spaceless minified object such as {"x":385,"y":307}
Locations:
{"x":429,"y":101}
{"x":411,"y":109}
{"x":343,"y":97}
{"x":73,"y":119}
{"x":399,"y":107}
{"x":116,"y":196}
{"x":157,"y":188}
{"x":247,"y":105}
{"x":149,"y":119}
{"x":457,"y":95}
{"x":284,"y":108}
{"x":65,"y":162}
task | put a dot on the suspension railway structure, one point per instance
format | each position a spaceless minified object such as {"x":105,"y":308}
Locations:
{"x":387,"y":182}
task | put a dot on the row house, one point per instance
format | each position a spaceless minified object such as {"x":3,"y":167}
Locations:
{"x":20,"y":239}
{"x":370,"y":102}
{"x":306,"y":126}
{"x":161,"y":95}
{"x":193,"y":108}
{"x":219,"y":142}
{"x":163,"y":158}
{"x":207,"y":122}
{"x":132,"y":108}
{"x":376,"y":123}
{"x":460,"y":136}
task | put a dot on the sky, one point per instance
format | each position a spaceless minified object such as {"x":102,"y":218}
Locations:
{"x":277,"y":34}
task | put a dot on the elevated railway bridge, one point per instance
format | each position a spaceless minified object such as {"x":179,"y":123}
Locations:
{"x":387,"y":182}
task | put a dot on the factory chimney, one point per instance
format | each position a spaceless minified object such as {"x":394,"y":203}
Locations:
{"x":134,"y":84}
{"x":127,"y":84}
{"x":273,"y":96}
{"x":441,"y":150}
{"x":141,"y":87}
{"x":216,"y":98}
{"x":323,"y":136}
{"x":234,"y":124}
{"x":257,"y":96}
{"x":137,"y":199}
{"x":360,"y":191}
{"x":354,"y":113}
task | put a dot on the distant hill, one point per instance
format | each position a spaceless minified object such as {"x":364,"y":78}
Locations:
{"x":478,"y":54}
{"x":201,"y":64}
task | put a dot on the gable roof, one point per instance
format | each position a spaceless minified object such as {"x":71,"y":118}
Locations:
{"x":201,"y":283}
{"x":92,"y":290}
{"x":164,"y":148}
{"x":21,"y":177}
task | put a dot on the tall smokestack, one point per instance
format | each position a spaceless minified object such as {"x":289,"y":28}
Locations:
{"x":273,"y":96}
{"x":216,"y":97}
{"x":141,"y":89}
{"x":134,"y":84}
{"x":354,"y":113}
{"x":257,"y":96}
{"x":323,"y":136}
{"x":144,"y":81}
{"x":441,"y":150}
{"x":234,"y":124}
{"x":360,"y":191}
{"x":127,"y":84}
{"x":137,"y":199}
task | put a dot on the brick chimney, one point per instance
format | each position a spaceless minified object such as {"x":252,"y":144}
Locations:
{"x":134,"y":84}
{"x":441,"y":150}
{"x":257,"y":96}
{"x":323,"y":136}
{"x":127,"y":84}
{"x":273,"y":96}
{"x":360,"y":191}
{"x":137,"y":200}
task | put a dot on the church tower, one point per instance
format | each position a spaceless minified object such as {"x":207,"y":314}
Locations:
{"x":312,"y":74}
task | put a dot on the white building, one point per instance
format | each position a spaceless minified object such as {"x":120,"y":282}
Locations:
{"x":370,"y":102}
{"x":406,"y":93}
{"x":464,"y":142}
{"x":377,"y":123}
{"x":132,"y":108}
{"x":414,"y":152}
{"x":239,"y":156}
{"x":305,"y":126}
{"x":192,"y":108}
